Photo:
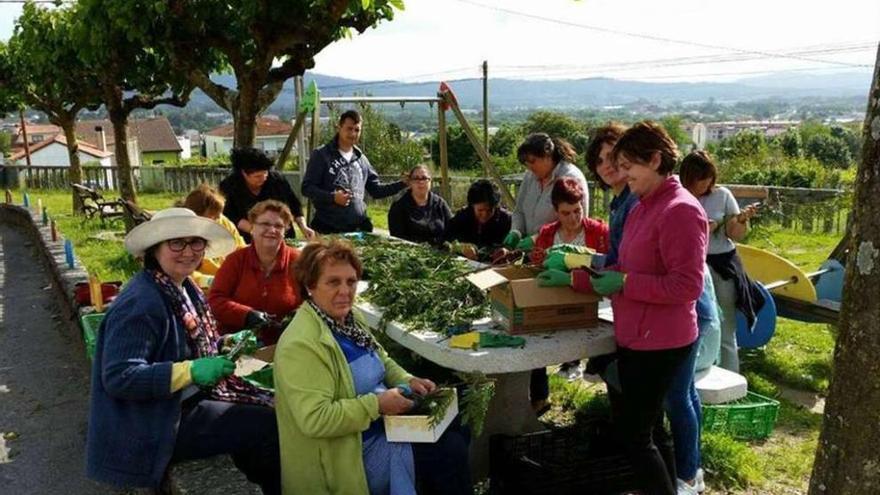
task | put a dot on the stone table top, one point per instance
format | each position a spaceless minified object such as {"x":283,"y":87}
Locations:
{"x":541,"y":349}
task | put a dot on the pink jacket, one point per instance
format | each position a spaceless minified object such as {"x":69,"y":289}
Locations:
{"x":662,"y":253}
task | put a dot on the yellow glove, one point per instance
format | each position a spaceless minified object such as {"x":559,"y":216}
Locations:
{"x":573,"y":260}
{"x":558,"y":260}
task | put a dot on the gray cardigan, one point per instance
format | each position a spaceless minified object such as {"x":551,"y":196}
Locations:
{"x":533,"y":206}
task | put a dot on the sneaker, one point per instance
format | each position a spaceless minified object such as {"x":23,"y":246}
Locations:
{"x":699,"y":481}
{"x":682,"y":488}
{"x":570,"y":371}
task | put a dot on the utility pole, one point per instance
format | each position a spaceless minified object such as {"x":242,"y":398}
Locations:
{"x":24,"y":136}
{"x":486,"y":105}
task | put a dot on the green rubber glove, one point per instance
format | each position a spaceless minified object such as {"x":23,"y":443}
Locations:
{"x":609,"y":283}
{"x":554,"y":278}
{"x":250,"y":346}
{"x":570,"y":248}
{"x":206,"y":372}
{"x":512,"y":239}
{"x":526,"y":244}
{"x":566,"y":261}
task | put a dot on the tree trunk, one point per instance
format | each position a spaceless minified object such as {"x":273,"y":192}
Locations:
{"x":124,"y":176}
{"x":74,"y":173}
{"x":848,"y":459}
{"x":245,"y":117}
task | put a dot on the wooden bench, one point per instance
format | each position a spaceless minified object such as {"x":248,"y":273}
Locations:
{"x":93,"y":204}
{"x":133,"y":214}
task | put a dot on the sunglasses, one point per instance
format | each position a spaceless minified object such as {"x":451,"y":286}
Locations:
{"x":197,"y":244}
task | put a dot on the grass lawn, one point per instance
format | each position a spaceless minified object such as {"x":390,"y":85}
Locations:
{"x":796,"y":363}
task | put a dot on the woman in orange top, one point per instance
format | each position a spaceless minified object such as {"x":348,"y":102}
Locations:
{"x":255,"y":286}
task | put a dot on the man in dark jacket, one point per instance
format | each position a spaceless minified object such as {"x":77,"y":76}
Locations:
{"x":337,"y":178}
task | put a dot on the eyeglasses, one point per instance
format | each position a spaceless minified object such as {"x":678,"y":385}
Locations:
{"x":420,"y":179}
{"x":271,"y":225}
{"x":197,"y":244}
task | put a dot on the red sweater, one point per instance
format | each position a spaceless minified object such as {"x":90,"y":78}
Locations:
{"x":596,"y":236}
{"x":240,"y":286}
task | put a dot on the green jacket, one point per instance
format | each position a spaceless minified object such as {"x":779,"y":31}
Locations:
{"x":320,"y":419}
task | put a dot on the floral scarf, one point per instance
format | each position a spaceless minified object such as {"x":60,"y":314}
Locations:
{"x":350,"y":329}
{"x":202,"y":339}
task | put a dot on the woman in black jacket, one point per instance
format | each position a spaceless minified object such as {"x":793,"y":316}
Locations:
{"x":252,"y":180}
{"x":419,"y":215}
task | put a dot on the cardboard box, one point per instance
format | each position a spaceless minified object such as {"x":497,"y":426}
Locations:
{"x":521,"y":306}
{"x":417,"y":429}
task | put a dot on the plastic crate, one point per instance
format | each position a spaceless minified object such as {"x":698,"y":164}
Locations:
{"x":90,"y":324}
{"x":749,"y":418}
{"x":560,"y":462}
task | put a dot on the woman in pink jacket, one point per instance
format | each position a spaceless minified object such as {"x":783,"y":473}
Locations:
{"x":653,"y":290}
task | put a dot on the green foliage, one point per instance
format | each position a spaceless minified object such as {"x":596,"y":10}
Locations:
{"x":790,"y":143}
{"x":673,"y":126}
{"x":478,"y":393}
{"x":506,"y":140}
{"x":559,"y":125}
{"x":245,"y":38}
{"x":830,"y":150}
{"x":5,"y":143}
{"x":746,"y":144}
{"x":419,"y":287}
{"x":459,"y":151}
{"x":729,"y":463}
{"x":220,"y":160}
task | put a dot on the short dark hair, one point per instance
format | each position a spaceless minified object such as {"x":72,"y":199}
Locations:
{"x":150,"y":260}
{"x":540,"y":144}
{"x":607,"y":134}
{"x":310,"y":263}
{"x":247,"y":159}
{"x":352,"y":115}
{"x":642,"y":140}
{"x":697,"y":166}
{"x":566,"y":190}
{"x":483,"y":191}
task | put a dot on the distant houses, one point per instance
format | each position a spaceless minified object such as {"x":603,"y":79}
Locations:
{"x":271,"y":135}
{"x":151,"y":141}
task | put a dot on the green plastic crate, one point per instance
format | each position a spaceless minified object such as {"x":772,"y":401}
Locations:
{"x":752,"y":417}
{"x":90,"y":324}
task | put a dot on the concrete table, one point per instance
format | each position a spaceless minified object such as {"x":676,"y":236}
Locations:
{"x":510,"y":411}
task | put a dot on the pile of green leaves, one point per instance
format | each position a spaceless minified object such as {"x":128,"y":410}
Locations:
{"x":419,"y":287}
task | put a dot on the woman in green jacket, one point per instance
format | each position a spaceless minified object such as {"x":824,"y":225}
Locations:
{"x":334,"y":382}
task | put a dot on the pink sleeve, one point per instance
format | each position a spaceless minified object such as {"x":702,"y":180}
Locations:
{"x":683,"y":238}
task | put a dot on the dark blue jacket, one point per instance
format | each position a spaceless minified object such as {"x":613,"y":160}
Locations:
{"x":620,"y":207}
{"x":328,"y":171}
{"x":134,"y":416}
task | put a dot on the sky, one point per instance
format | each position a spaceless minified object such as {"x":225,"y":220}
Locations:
{"x":672,"y":40}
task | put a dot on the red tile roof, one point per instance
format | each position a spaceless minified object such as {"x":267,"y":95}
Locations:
{"x":83,"y":147}
{"x":265,"y":127}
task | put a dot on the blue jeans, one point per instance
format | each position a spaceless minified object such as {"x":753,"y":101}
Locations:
{"x":682,"y":406}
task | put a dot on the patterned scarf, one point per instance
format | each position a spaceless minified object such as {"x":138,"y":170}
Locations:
{"x":350,"y":329}
{"x":202,"y":338}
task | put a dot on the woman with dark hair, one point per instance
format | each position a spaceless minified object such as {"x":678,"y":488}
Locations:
{"x":546,"y":159}
{"x":653,"y":288}
{"x":419,"y":215}
{"x":609,"y":176}
{"x":482,"y":224}
{"x":727,"y":225}
{"x":160,"y":391}
{"x":252,"y":180}
{"x":572,"y":227}
{"x":335,"y":381}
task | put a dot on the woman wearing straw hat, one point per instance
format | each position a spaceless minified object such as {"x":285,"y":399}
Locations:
{"x":160,"y":391}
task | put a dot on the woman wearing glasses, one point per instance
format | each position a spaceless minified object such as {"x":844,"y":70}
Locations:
{"x":254,"y":286}
{"x":419,"y":215}
{"x":160,"y":392}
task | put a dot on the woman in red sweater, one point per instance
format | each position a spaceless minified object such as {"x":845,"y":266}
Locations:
{"x":254,"y":286}
{"x":572,"y":225}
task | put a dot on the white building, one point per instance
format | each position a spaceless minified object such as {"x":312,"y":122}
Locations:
{"x":271,"y":137}
{"x":53,"y":153}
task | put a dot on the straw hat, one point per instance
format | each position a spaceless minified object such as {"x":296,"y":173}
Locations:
{"x":173,"y":223}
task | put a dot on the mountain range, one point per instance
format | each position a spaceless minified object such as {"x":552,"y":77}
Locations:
{"x":591,"y":92}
